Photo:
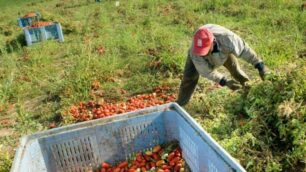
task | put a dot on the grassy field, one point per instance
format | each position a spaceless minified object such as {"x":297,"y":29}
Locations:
{"x":38,"y":84}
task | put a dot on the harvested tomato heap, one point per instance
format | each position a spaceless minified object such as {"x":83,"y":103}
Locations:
{"x":40,"y":24}
{"x":93,"y":110}
{"x":155,"y":160}
{"x":31,"y":14}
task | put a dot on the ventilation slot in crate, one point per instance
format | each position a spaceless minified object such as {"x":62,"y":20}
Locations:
{"x":73,"y":155}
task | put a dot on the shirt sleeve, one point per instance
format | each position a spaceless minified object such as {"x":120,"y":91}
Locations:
{"x":241,"y":49}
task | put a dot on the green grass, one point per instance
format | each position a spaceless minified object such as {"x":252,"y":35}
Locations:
{"x":4,"y":4}
{"x":39,"y":83}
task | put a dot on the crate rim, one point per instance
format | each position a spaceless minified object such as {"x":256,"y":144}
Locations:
{"x":24,"y":140}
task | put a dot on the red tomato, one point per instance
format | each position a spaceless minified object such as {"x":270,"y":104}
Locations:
{"x":171,"y":156}
{"x":177,"y":167}
{"x":143,"y":169}
{"x":155,"y":156}
{"x":142,"y":164}
{"x":123,"y":164}
{"x":132,"y":170}
{"x":160,"y":163}
{"x":134,"y":166}
{"x":139,"y":157}
{"x":175,"y":160}
{"x":105,"y":165}
{"x":171,"y":163}
{"x":117,"y":169}
{"x":164,"y":167}
{"x":177,"y":154}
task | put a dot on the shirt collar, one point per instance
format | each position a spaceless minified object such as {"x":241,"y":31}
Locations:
{"x":216,"y":48}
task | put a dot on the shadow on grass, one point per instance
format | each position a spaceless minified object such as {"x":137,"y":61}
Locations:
{"x":16,"y":44}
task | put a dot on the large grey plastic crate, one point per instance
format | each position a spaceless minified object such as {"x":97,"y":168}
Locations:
{"x":79,"y":146}
{"x":43,"y":33}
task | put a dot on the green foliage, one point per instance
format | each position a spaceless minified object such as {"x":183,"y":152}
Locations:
{"x":26,"y":123}
{"x":5,"y":161}
{"x":264,"y":126}
{"x":277,"y":109}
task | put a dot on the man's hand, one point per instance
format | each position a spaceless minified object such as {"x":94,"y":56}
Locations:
{"x":261,"y":69}
{"x":262,"y":74}
{"x":232,"y":84}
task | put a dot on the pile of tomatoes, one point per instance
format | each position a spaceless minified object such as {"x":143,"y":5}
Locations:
{"x":40,"y":24}
{"x":154,"y":160}
{"x":31,"y":14}
{"x":94,"y":110}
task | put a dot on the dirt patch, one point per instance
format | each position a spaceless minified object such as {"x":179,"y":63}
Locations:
{"x":6,"y":132}
{"x":7,"y":122}
{"x":29,"y":105}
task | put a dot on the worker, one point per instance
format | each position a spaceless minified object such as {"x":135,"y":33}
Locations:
{"x":212,"y":47}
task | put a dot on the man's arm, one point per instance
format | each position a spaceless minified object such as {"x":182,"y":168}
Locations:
{"x":241,"y":49}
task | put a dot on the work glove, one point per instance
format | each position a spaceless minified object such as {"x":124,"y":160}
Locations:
{"x":261,"y":69}
{"x":232,"y":84}
{"x":246,"y":85}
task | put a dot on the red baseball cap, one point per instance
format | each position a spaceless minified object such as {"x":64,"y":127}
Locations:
{"x":202,"y":41}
